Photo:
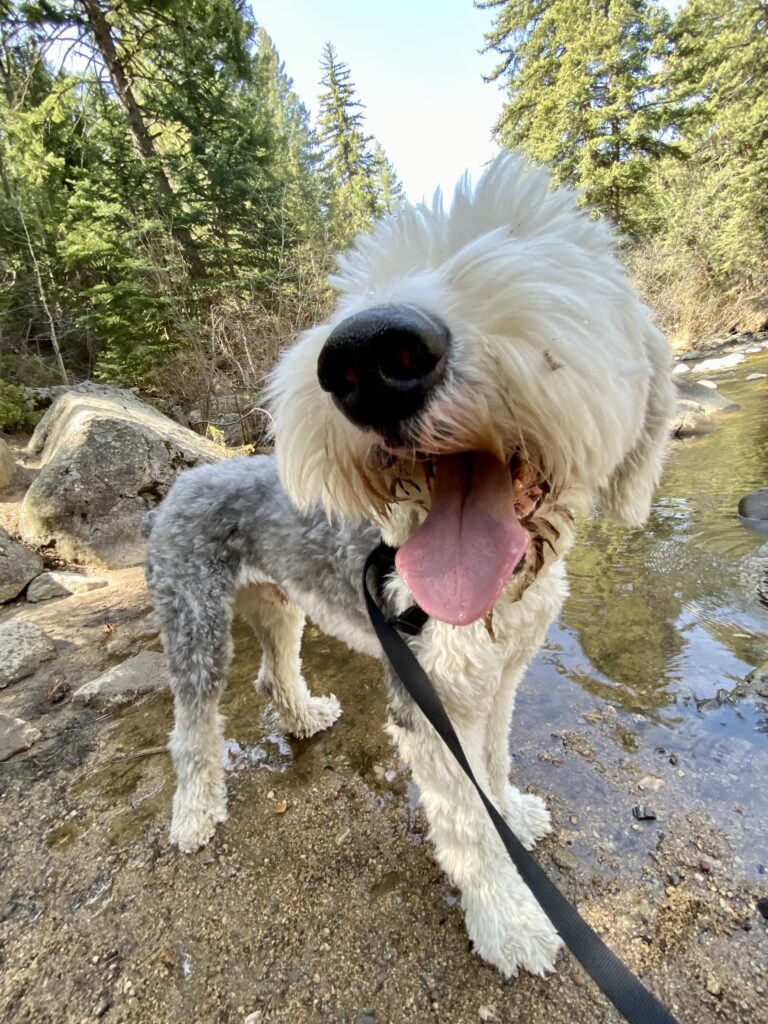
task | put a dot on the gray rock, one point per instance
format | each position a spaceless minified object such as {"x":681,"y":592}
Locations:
{"x":7,"y":465}
{"x":565,"y":859}
{"x":18,"y":565}
{"x":140,"y":674}
{"x":44,"y":587}
{"x":697,"y":407}
{"x":753,"y":513}
{"x":16,"y":735}
{"x":24,"y":646}
{"x":61,"y":584}
{"x":757,"y":376}
{"x":756,"y":682}
{"x":755,"y":504}
{"x":105,"y":458}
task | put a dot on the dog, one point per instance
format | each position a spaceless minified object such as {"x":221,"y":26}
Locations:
{"x":488,"y":373}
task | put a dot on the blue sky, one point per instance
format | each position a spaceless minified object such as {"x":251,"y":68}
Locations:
{"x":416,"y":67}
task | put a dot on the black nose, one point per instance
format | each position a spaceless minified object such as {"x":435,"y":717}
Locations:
{"x":382,"y":365}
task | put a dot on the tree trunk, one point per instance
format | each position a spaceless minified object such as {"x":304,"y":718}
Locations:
{"x":43,"y":298}
{"x":102,"y":34}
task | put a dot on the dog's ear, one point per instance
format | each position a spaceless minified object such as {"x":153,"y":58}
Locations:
{"x":627,"y":495}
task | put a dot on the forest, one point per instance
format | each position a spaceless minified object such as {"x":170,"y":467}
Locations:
{"x":169,"y":211}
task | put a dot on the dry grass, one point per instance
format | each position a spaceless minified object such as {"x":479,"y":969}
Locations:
{"x":217,"y":379}
{"x":690,"y":309}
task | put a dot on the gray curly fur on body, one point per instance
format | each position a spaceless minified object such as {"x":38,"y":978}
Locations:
{"x":228,"y":526}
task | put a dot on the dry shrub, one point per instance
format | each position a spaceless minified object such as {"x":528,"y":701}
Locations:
{"x":217,"y":378}
{"x":690,"y":307}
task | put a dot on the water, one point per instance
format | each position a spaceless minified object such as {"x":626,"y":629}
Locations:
{"x":661,"y":619}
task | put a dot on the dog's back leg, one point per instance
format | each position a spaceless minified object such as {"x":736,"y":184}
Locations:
{"x":278,"y":626}
{"x":195,"y":617}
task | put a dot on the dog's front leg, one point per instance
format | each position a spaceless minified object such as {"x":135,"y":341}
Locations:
{"x":525,"y":813}
{"x":505,"y":923}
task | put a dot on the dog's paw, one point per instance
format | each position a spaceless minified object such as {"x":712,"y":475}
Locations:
{"x":512,"y":934}
{"x":316,"y":714}
{"x":192,"y":827}
{"x":527,"y":816}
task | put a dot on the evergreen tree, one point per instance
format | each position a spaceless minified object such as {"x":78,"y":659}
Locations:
{"x":718,"y":207}
{"x":362,"y":182}
{"x":585,"y":94}
{"x":387,"y":187}
{"x":178,"y":162}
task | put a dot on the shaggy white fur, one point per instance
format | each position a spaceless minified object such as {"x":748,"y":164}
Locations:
{"x":554,"y":368}
{"x":553,"y":355}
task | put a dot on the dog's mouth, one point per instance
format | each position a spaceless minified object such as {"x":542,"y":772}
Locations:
{"x":474,"y":537}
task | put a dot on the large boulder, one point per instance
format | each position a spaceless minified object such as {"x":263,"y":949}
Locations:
{"x":104,"y":457}
{"x":18,"y":565}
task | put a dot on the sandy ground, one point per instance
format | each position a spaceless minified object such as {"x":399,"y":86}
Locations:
{"x":318,"y":899}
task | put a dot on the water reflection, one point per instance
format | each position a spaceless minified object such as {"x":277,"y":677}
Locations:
{"x":677,"y":607}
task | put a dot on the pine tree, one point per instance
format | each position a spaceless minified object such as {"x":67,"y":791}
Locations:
{"x":387,"y":187}
{"x":362,"y":182}
{"x":191,"y":142}
{"x":585,"y":94}
{"x":719,"y":69}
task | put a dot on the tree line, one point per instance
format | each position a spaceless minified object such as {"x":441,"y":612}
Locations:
{"x":169,"y":212}
{"x":161,"y":182}
{"x":662,"y":122}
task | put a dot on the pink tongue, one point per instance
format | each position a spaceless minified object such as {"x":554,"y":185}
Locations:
{"x":458,"y":561}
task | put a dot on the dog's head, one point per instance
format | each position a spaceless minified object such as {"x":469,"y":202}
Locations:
{"x":485,"y":368}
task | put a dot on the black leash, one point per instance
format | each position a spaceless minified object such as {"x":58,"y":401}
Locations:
{"x":616,"y":981}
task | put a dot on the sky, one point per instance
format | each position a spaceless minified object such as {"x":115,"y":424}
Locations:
{"x":416,"y":68}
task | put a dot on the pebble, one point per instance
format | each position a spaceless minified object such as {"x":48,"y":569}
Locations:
{"x":565,"y":858}
{"x":485,"y":1013}
{"x":650,"y":782}
{"x":713,"y":986}
{"x":643,"y":813}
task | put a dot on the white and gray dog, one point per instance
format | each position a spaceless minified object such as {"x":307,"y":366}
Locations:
{"x":487,"y":372}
